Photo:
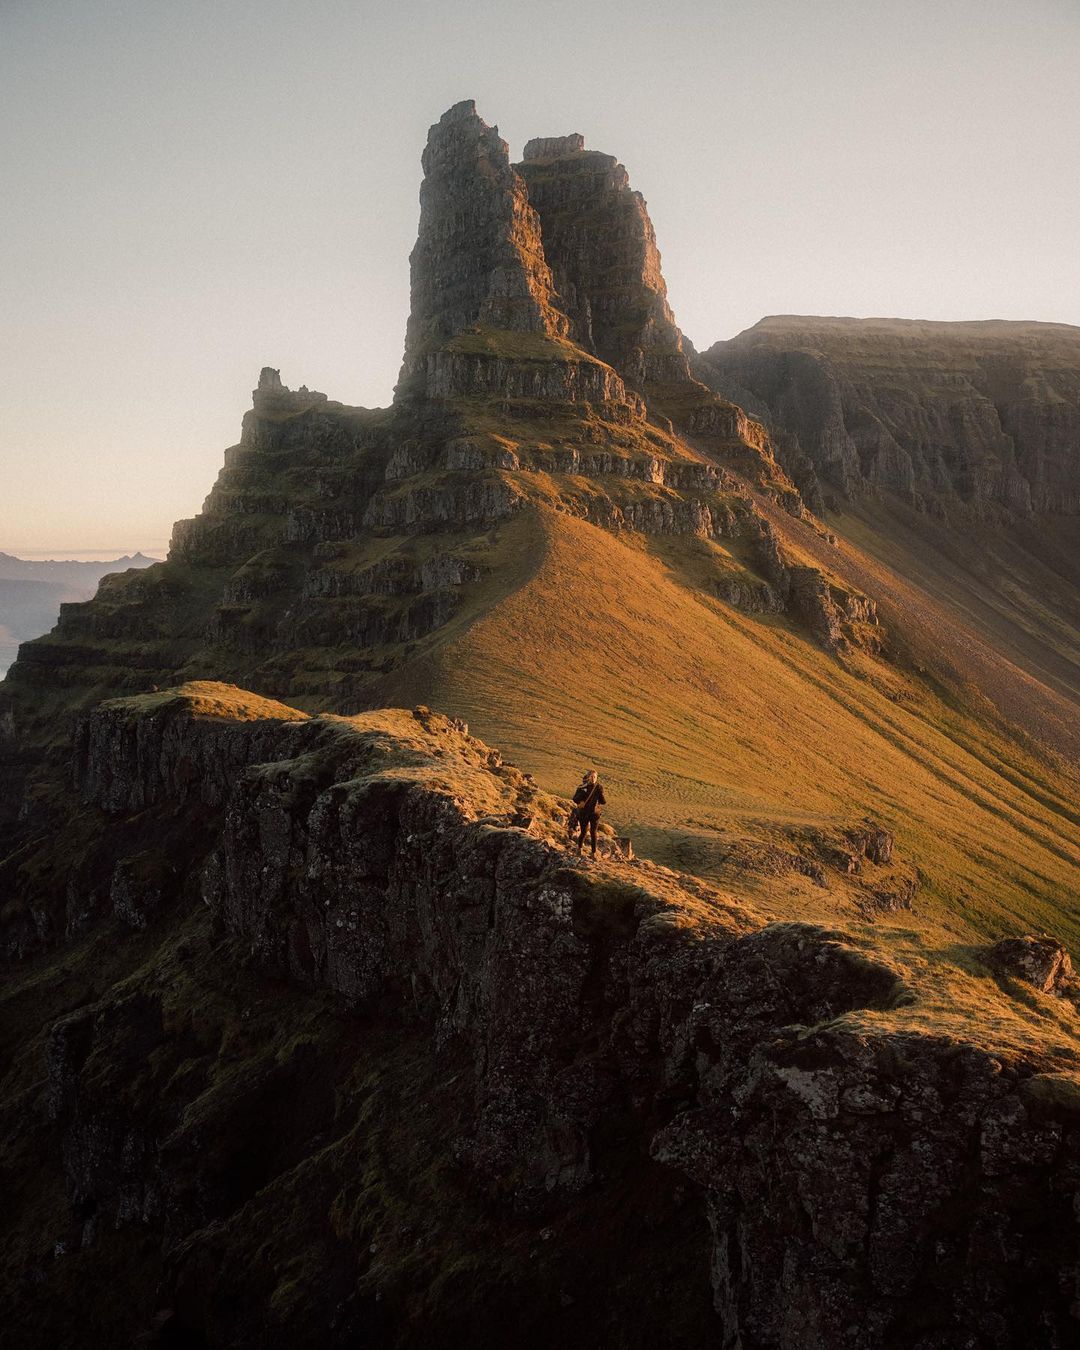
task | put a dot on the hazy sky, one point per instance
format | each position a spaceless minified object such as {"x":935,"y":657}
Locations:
{"x":195,"y":188}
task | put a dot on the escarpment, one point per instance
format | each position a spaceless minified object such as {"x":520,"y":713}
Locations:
{"x":960,"y":419}
{"x":847,"y":1178}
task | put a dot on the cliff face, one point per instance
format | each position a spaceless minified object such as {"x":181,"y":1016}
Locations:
{"x":959,"y":419}
{"x":601,"y":245}
{"x":478,"y":258}
{"x":602,"y":249}
{"x":865,"y":1183}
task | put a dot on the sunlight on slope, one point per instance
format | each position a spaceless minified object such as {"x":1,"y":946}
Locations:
{"x":708,"y":725}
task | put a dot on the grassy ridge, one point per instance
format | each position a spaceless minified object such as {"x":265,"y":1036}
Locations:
{"x":718,"y":732}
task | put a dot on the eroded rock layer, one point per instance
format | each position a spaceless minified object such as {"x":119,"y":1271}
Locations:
{"x":958,"y":418}
{"x":601,"y":246}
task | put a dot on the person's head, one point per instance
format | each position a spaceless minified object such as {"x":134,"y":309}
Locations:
{"x":590,"y":777}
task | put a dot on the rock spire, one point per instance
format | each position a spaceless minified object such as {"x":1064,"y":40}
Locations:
{"x":478,"y":260}
{"x":601,"y":245}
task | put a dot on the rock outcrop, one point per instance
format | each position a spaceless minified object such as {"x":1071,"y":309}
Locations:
{"x":507,"y":404}
{"x":1041,"y":961}
{"x":866,"y":1184}
{"x":478,"y":258}
{"x":601,"y":245}
{"x":960,"y":419}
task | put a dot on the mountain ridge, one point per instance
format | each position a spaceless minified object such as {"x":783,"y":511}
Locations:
{"x":978,"y":419}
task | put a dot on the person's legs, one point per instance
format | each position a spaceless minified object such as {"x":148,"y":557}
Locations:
{"x":592,"y":834}
{"x":581,"y":836}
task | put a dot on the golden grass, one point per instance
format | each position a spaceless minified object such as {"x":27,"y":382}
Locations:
{"x":210,"y":698}
{"x":710,"y":726}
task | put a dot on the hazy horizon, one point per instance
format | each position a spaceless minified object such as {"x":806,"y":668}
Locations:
{"x":73,"y":553}
{"x":199,"y":190}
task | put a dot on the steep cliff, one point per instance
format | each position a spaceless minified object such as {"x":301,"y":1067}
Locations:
{"x":601,"y":245}
{"x":957,"y":418}
{"x":602,"y":249}
{"x":514,"y":1034}
{"x":950,"y":452}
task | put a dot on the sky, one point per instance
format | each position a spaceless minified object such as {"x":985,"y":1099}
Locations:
{"x":193,"y":189}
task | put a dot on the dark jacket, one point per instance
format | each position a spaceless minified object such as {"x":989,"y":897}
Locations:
{"x":589,"y":800}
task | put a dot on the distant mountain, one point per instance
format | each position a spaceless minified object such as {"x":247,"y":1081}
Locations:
{"x":31,"y":593}
{"x":960,"y":420}
{"x":67,"y":570}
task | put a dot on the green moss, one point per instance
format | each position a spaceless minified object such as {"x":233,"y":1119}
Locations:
{"x":518,"y":346}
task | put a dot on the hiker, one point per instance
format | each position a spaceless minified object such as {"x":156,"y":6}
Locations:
{"x":588,"y":800}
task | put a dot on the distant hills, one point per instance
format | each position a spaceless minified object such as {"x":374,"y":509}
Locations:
{"x":32,"y":591}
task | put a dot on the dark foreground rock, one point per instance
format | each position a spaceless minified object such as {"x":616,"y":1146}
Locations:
{"x":398,"y":1068}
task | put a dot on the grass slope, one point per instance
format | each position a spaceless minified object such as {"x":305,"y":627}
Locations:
{"x":721,"y":737}
{"x":1017,"y":587}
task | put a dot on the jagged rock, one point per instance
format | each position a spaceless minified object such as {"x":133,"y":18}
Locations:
{"x":131,"y":753}
{"x":838,"y":1239}
{"x":601,"y":245}
{"x":550,"y":377}
{"x":305,"y":525}
{"x":749,"y":594}
{"x":443,"y":569}
{"x":834,"y":614}
{"x":1041,"y":961}
{"x":872,"y":842}
{"x":657,"y":515}
{"x":608,"y":276}
{"x":881,"y":1180}
{"x":478,"y":258}
{"x":553,"y":147}
{"x":409,"y":458}
{"x":274,"y":401}
{"x":455,"y":503}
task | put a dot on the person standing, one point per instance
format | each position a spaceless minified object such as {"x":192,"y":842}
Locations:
{"x":588,"y":801}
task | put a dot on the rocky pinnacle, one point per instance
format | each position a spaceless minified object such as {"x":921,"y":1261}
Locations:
{"x":601,"y":245}
{"x":478,"y":258}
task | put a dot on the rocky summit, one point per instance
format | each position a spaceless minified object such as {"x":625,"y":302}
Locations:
{"x":316,"y":1029}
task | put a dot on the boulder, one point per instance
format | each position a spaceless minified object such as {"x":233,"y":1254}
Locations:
{"x":1041,"y":961}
